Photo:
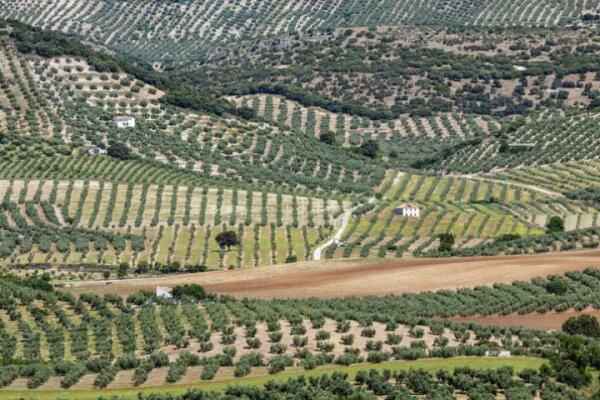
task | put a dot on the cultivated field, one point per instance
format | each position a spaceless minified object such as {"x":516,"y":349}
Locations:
{"x":260,"y":377}
{"x":362,"y":278}
{"x":352,"y":130}
{"x":299,"y":133}
{"x":173,"y":223}
{"x":547,"y":321}
{"x":167,"y":31}
{"x":112,"y":341}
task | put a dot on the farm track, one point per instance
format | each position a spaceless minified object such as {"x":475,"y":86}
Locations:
{"x":328,"y":279}
{"x":337,"y":236}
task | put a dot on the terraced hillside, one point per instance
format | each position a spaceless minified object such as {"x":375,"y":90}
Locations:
{"x":65,"y":116}
{"x":191,"y":176}
{"x":161,"y":139}
{"x":174,"y":32}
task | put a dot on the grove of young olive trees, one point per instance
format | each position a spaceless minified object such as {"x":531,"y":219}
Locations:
{"x":87,"y":222}
{"x":110,"y":340}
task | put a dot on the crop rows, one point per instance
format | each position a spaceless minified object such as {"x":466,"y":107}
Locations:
{"x":474,"y":211}
{"x":560,"y":177}
{"x":209,"y":146}
{"x":542,"y":141}
{"x":22,"y":108}
{"x":186,"y":28}
{"x":108,"y":340}
{"x":563,"y":241}
{"x":176,"y":223}
{"x":351,"y":129}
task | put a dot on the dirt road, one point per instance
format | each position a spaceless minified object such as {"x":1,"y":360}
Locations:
{"x":328,"y":279}
{"x":337,"y":236}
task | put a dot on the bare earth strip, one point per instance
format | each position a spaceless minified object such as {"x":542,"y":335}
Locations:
{"x":329,"y":279}
{"x":548,"y":321}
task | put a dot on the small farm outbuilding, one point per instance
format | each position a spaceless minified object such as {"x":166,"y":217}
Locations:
{"x":408,"y":210}
{"x":125,"y":122}
{"x":163,"y":291}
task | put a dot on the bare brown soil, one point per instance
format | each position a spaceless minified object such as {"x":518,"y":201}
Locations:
{"x":327,"y":279}
{"x":547,"y":321}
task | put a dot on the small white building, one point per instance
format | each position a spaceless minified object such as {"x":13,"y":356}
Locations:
{"x":164,"y":291}
{"x":94,"y":151}
{"x":498,"y":353}
{"x":125,"y":122}
{"x":408,"y":210}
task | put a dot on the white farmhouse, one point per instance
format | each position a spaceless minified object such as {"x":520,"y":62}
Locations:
{"x":408,"y":210}
{"x":163,"y":291}
{"x":125,"y":122}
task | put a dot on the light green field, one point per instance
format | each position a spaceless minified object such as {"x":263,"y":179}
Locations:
{"x":178,"y":211}
{"x":473,"y":210}
{"x":261,"y":377}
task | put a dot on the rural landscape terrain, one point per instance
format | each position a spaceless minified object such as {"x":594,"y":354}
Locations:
{"x":337,"y":199}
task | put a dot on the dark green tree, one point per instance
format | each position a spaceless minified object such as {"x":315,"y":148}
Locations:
{"x":192,"y":290}
{"x":585,"y":325}
{"x":327,"y":137}
{"x":227,"y":239}
{"x":555,"y":225}
{"x":122,"y":271}
{"x":369,"y":148}
{"x":446,"y":242}
{"x":118,"y":150}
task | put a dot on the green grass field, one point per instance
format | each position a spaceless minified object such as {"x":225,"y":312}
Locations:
{"x":261,"y":377}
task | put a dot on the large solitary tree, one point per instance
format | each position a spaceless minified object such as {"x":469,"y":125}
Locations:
{"x":555,"y":225}
{"x":227,"y":239}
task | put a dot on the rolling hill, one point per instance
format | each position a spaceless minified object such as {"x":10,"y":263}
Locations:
{"x":171,"y":32}
{"x":176,"y":142}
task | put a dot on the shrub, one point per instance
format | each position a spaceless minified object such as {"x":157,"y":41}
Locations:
{"x":368,"y":332}
{"x":253,"y":343}
{"x":322,"y":335}
{"x":191,"y":290}
{"x":347,"y":340}
{"x":279,"y":363}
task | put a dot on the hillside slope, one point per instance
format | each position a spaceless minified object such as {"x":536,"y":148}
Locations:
{"x":173,"y":31}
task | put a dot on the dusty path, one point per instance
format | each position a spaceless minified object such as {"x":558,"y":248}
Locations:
{"x":337,"y":236}
{"x":328,"y":279}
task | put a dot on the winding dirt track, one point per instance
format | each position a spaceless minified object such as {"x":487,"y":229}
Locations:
{"x":328,"y":279}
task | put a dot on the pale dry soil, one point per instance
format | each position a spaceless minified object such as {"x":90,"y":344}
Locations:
{"x":328,"y":279}
{"x":550,"y":320}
